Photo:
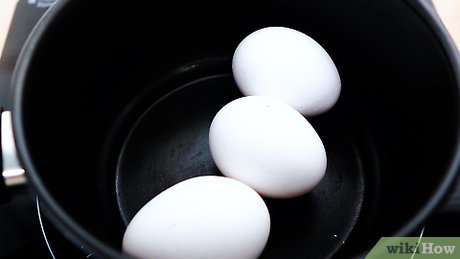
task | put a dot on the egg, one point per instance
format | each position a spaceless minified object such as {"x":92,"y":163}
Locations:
{"x":206,"y":217}
{"x":267,"y":145}
{"x":287,"y":65}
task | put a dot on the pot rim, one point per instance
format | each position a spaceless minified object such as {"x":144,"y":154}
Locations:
{"x":72,"y":230}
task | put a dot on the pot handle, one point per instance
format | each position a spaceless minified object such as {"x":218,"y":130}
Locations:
{"x":13,"y":175}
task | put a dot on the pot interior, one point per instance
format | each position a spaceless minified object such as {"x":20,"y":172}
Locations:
{"x":113,"y":88}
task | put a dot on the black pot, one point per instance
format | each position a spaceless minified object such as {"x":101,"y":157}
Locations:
{"x":112,"y":104}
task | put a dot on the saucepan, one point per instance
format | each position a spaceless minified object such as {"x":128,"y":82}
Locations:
{"x":112,"y":103}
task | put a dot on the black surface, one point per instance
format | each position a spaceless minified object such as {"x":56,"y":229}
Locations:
{"x":20,"y":235}
{"x":123,"y":66}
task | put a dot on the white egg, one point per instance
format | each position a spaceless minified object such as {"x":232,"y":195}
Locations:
{"x":287,"y":65}
{"x":206,"y":217}
{"x":267,"y":145}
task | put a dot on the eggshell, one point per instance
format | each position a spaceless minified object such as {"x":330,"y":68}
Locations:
{"x":287,"y":65}
{"x":206,"y":217}
{"x":267,"y":145}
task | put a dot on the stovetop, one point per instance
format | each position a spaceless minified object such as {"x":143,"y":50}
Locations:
{"x":20,"y":228}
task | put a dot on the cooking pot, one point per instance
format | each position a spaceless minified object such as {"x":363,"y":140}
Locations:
{"x":111,"y":103}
